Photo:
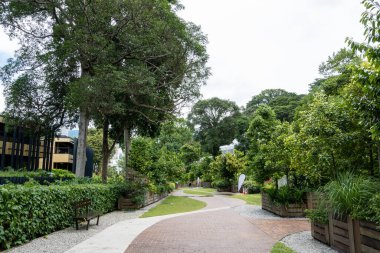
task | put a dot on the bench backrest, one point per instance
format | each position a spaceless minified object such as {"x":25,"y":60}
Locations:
{"x":80,"y":205}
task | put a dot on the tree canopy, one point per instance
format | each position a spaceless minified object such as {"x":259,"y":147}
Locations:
{"x":215,"y":123}
{"x":281,"y":101}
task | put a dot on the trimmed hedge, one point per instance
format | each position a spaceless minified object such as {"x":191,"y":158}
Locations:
{"x":55,"y":173}
{"x":28,"y":212}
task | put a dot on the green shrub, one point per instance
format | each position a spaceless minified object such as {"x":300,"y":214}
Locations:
{"x":374,"y":209}
{"x":319,"y":215}
{"x":171,"y":186}
{"x":251,"y":186}
{"x":221,"y":184}
{"x":27,"y":212}
{"x":350,"y":195}
{"x":286,"y":195}
{"x":55,"y":173}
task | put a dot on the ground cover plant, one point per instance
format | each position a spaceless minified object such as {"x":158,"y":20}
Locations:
{"x":173,"y":204}
{"x":279,"y":247}
{"x":250,"y":199}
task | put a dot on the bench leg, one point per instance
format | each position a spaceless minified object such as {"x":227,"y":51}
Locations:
{"x":88,"y":223}
{"x":97,"y":221}
{"x":76,"y":224}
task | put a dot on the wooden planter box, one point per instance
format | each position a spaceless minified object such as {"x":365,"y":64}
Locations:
{"x":320,"y":232}
{"x":291,"y":210}
{"x":342,"y":234}
{"x":367,"y":237}
{"x":312,"y":200}
{"x":353,"y":236}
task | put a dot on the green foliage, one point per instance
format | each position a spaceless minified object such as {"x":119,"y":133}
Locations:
{"x":95,"y":142}
{"x":174,"y":134}
{"x":350,"y":195}
{"x":226,"y":169}
{"x":263,"y":123}
{"x":56,"y":174}
{"x":215,"y":121}
{"x":27,"y":212}
{"x":282,"y":102}
{"x":365,"y":79}
{"x":327,"y":140}
{"x":373,"y":211}
{"x":201,"y":169}
{"x":159,"y":165}
{"x":319,"y":215}
{"x":280,"y":247}
{"x":173,"y":204}
{"x":221,"y":184}
{"x":286,"y":195}
{"x":251,"y":186}
{"x":337,"y":72}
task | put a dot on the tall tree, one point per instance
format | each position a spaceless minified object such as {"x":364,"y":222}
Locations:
{"x":261,"y":128}
{"x":215,"y":123}
{"x":282,"y":102}
{"x":365,"y":88}
{"x":125,"y":40}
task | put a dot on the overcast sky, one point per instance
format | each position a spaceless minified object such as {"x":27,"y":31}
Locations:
{"x":262,"y":44}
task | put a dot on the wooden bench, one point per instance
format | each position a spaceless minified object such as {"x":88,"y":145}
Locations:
{"x":84,"y":213}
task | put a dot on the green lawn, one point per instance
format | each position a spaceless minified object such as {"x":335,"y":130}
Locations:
{"x":281,"y":248}
{"x":200,"y":191}
{"x":251,"y":199}
{"x":173,"y":204}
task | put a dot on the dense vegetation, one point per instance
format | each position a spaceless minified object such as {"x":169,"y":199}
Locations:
{"x":130,"y":84}
{"x":30,"y":211}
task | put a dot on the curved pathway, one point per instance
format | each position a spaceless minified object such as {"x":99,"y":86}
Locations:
{"x":222,"y":229}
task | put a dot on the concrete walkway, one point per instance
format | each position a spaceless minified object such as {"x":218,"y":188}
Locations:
{"x":216,"y":228}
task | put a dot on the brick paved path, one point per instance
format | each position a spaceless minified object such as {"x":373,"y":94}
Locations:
{"x":217,"y":231}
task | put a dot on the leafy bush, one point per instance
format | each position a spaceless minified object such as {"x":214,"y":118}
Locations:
{"x":319,"y":215}
{"x":58,"y":173}
{"x":350,"y":195}
{"x":171,"y":186}
{"x":55,"y":174}
{"x":251,"y":186}
{"x":286,"y":195}
{"x":221,"y":184}
{"x":27,"y":212}
{"x":374,"y":209}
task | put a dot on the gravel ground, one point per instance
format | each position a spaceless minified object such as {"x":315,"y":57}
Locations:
{"x":63,"y":240}
{"x":301,"y":242}
{"x":258,"y":213}
{"x":304,"y":243}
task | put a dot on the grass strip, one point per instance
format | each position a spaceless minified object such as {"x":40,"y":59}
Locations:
{"x":199,"y":191}
{"x":174,"y":204}
{"x":250,"y":199}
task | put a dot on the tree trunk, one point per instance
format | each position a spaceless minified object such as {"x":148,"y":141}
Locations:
{"x":127,"y":145}
{"x":105,"y":151}
{"x":81,"y":149}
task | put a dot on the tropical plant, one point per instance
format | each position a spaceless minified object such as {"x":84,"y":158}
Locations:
{"x":349,"y":194}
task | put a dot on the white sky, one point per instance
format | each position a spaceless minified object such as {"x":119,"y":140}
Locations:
{"x":261,"y":44}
